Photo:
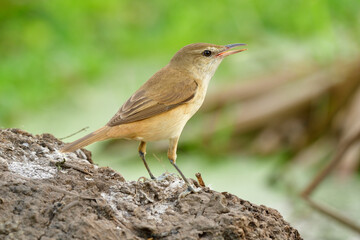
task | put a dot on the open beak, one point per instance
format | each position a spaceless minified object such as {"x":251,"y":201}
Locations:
{"x":228,"y":52}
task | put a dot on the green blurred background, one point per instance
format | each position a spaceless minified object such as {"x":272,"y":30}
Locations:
{"x":65,"y":65}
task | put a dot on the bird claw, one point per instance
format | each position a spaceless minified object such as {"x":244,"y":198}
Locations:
{"x":188,"y":191}
{"x":143,"y":179}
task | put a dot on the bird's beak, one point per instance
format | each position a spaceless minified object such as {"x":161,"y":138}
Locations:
{"x":228,"y":52}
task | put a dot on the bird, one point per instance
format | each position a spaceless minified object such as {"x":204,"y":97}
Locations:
{"x":161,"y":107}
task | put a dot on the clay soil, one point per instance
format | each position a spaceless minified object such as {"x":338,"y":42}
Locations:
{"x":45,"y":194}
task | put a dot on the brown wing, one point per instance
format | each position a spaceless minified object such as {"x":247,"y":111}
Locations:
{"x":162,"y":92}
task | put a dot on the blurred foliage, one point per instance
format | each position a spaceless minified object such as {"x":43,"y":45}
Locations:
{"x":49,"y":47}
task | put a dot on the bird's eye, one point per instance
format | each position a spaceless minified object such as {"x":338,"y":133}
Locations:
{"x":207,"y":53}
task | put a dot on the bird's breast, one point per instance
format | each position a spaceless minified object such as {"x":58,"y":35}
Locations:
{"x":163,"y":126}
{"x":199,"y":97}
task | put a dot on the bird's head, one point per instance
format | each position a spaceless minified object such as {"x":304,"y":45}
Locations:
{"x":203,"y":58}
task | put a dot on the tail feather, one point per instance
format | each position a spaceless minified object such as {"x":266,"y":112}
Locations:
{"x":96,"y":136}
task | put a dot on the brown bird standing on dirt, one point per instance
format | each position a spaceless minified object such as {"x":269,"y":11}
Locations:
{"x":162,"y":106}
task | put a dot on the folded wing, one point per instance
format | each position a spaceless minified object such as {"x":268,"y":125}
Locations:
{"x":162,"y":92}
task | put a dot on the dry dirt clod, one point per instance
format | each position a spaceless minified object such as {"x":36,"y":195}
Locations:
{"x":41,"y":201}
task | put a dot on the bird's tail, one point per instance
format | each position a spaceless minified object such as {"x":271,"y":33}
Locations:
{"x":95,"y":136}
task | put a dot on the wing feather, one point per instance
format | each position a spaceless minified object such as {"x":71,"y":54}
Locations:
{"x":151,"y":99}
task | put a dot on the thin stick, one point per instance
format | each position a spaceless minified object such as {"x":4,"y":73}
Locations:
{"x":70,"y":205}
{"x":65,"y":164}
{"x":333,"y":214}
{"x":200,"y":180}
{"x":344,"y":146}
{"x":83,"y":129}
{"x":347,"y":143}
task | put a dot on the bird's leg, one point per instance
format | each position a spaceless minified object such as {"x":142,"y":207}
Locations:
{"x":172,"y":158}
{"x":142,"y":153}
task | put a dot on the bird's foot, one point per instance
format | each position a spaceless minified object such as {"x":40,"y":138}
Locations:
{"x":145,"y":178}
{"x":152,"y":176}
{"x":188,"y":191}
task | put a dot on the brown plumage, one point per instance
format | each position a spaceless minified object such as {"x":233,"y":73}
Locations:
{"x":160,"y":108}
{"x":150,"y":100}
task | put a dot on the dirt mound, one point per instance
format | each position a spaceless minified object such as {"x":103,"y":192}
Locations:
{"x":45,"y":194}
